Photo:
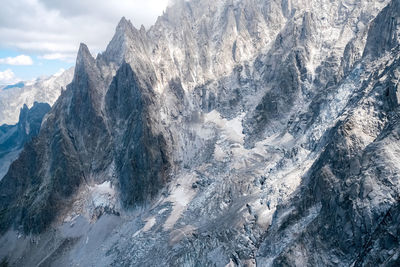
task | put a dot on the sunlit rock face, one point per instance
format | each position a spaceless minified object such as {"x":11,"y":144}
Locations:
{"x":230,"y":133}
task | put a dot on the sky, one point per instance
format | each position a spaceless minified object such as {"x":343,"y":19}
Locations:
{"x":40,"y":37}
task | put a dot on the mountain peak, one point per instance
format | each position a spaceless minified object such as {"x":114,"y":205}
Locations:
{"x":83,"y":51}
{"x":123,"y":20}
{"x":84,"y":56}
{"x":124,"y":25}
{"x":125,"y":37}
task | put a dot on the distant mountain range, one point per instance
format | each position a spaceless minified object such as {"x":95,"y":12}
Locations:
{"x":43,"y":90}
{"x":14,"y":137}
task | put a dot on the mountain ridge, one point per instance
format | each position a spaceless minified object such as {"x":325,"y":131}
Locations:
{"x":44,"y":90}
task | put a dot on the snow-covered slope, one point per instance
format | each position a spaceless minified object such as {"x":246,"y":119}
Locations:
{"x":231,"y":133}
{"x":45,"y":90}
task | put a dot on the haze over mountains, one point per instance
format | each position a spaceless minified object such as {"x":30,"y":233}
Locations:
{"x":230,"y":133}
{"x":43,"y":90}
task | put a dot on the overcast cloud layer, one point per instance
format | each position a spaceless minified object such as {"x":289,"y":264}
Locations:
{"x":53,"y":29}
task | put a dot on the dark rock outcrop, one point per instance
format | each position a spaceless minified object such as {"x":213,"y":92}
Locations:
{"x":14,"y":137}
{"x":384,"y":34}
{"x":140,"y":156}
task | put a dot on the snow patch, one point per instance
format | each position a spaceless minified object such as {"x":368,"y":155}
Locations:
{"x":149,"y":224}
{"x":103,"y":194}
{"x":180,"y":197}
{"x":232,"y":130}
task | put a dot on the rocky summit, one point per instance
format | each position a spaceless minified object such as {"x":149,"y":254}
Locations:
{"x":230,"y":133}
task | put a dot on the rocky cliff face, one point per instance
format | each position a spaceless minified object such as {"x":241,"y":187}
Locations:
{"x":14,"y":137}
{"x":231,"y":133}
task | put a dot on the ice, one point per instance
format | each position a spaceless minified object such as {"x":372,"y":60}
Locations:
{"x":102,"y":194}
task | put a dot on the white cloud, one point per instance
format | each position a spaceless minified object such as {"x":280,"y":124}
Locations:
{"x":7,"y":77}
{"x":54,"y":28}
{"x":59,"y":56}
{"x":59,"y":72}
{"x":21,"y":60}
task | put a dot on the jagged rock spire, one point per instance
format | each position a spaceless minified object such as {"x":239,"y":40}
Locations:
{"x":84,"y":56}
{"x":127,"y":42}
{"x":117,"y":48}
{"x":123,"y":25}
